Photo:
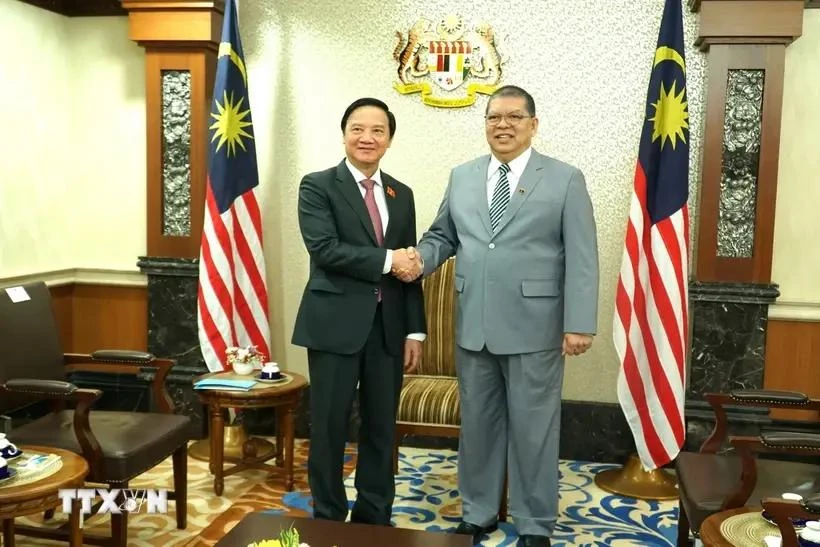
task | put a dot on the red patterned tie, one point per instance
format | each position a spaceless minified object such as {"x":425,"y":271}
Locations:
{"x":375,"y":217}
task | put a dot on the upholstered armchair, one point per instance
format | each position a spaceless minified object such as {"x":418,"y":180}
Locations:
{"x":783,"y":511}
{"x":727,"y":472}
{"x":429,"y":403}
{"x":117,"y":445}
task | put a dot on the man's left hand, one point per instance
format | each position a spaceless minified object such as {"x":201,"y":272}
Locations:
{"x":412,"y":355}
{"x":576,"y":344}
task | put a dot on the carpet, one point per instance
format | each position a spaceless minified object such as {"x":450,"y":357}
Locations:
{"x":427,"y":498}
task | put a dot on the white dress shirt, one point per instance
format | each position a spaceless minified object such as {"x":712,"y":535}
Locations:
{"x":381,"y":204}
{"x":517,"y":167}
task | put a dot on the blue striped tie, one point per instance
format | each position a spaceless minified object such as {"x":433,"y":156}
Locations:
{"x":501,"y":197}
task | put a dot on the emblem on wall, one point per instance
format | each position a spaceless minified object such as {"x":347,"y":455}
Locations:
{"x":449,"y":57}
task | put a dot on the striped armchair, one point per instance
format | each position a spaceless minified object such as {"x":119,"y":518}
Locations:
{"x":429,"y":402}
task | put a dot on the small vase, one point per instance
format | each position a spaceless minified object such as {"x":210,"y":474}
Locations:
{"x":243,"y":369}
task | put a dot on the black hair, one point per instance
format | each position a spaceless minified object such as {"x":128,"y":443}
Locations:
{"x":369,"y":101}
{"x":513,"y":91}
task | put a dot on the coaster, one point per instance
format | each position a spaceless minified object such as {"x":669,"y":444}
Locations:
{"x":284,"y":378}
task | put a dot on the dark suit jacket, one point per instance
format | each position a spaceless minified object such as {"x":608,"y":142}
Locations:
{"x":339,"y":301}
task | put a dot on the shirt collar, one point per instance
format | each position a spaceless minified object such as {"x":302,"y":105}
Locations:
{"x":358,"y":176}
{"x":517,"y":165}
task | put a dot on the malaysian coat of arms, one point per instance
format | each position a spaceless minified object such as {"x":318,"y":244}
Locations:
{"x":448,"y":56}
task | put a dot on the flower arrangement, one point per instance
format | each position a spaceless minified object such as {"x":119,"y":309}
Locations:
{"x":287,"y":538}
{"x":244,"y":360}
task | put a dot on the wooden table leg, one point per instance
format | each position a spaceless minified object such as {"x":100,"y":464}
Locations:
{"x":8,"y":532}
{"x":290,"y":413}
{"x":281,"y":413}
{"x":217,"y":448}
{"x":75,"y":525}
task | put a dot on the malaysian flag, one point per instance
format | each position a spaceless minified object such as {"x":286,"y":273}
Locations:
{"x":233,"y":297}
{"x":651,"y":301}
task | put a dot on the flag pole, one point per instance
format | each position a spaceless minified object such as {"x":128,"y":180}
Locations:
{"x":633,"y":480}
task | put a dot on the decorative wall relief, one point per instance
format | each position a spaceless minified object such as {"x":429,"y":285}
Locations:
{"x":176,"y":153}
{"x":449,"y":56}
{"x":741,"y":159}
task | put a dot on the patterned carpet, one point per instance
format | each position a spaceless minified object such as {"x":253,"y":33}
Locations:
{"x":426,"y":498}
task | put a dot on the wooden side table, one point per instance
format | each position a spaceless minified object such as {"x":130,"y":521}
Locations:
{"x":40,"y":495}
{"x":283,"y":397}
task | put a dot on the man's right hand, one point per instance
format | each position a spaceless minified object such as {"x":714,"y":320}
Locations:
{"x":407,"y":264}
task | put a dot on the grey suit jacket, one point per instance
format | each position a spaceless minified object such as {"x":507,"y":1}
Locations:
{"x":521,"y":289}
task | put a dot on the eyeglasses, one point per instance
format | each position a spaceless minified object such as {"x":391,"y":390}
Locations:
{"x":512,"y":119}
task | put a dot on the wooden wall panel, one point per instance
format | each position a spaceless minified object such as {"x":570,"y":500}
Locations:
{"x":793,"y":362}
{"x":92,"y":317}
{"x":61,"y":297}
{"x":109,"y":317}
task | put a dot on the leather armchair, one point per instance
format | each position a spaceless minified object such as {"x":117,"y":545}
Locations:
{"x":117,"y":445}
{"x":726,"y":472}
{"x":782,"y":511}
{"x":429,"y":404}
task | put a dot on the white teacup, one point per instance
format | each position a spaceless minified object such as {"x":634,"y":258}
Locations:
{"x":270,"y":371}
{"x":7,"y":448}
{"x":4,"y":468}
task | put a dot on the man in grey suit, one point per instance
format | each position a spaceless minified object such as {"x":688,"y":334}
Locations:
{"x":522,"y":229}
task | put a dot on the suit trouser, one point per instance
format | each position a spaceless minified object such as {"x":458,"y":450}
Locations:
{"x":333,"y":380}
{"x":510,"y":422}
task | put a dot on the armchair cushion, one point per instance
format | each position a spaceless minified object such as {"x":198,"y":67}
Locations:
{"x":131,"y":442}
{"x":430,"y":400}
{"x":705,"y":479}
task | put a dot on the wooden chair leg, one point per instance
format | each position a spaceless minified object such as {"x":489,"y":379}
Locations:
{"x":502,"y":511}
{"x":119,"y":529}
{"x":683,"y":527}
{"x":180,"y":459}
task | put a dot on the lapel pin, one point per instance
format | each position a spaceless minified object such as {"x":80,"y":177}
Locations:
{"x":390,"y":191}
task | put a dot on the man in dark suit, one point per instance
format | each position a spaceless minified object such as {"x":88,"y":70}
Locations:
{"x":360,"y":324}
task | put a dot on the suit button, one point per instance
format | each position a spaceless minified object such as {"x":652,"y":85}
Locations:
{"x":492,"y":245}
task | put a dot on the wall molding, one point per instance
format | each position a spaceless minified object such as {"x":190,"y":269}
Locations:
{"x":795,"y":311}
{"x":81,"y":276}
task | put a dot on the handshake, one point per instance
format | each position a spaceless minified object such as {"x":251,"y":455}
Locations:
{"x":407,"y":264}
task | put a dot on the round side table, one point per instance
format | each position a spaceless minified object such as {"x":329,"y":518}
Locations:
{"x":39,"y":495}
{"x":748,"y":528}
{"x":283,"y":397}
